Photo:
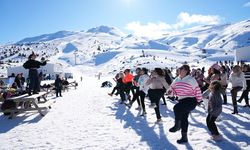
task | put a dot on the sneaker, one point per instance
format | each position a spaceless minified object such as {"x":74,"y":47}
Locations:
{"x":246,"y":106}
{"x":164,"y":104}
{"x":152,"y":105}
{"x":110,"y":94}
{"x":158,"y":121}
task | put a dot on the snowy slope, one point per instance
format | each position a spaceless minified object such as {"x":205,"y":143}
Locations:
{"x":87,"y":118}
{"x":218,"y":37}
{"x":47,"y":37}
{"x":207,"y":43}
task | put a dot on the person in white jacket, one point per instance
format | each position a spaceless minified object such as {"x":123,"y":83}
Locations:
{"x":143,"y":90}
{"x":238,"y":82}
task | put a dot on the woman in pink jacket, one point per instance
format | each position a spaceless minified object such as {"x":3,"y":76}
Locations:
{"x":188,"y":92}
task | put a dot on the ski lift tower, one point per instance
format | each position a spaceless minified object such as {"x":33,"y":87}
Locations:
{"x":75,"y":53}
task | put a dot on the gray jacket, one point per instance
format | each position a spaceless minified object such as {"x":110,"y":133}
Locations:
{"x":215,"y":104}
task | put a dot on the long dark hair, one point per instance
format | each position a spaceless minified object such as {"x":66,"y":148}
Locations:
{"x":145,"y":70}
{"x":187,"y":68}
{"x":159,"y":71}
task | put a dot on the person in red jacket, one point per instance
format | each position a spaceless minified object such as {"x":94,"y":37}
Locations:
{"x":128,"y":81}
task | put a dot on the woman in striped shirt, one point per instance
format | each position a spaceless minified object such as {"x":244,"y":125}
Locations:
{"x":188,"y":92}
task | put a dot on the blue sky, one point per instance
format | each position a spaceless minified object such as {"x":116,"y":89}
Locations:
{"x":27,"y":18}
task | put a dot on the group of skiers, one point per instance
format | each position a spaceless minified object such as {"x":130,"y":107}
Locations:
{"x":189,"y":87}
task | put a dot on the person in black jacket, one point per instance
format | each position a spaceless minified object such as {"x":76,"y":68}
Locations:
{"x":58,"y":86}
{"x":33,"y":65}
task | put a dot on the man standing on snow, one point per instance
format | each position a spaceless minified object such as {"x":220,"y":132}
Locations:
{"x":33,"y":65}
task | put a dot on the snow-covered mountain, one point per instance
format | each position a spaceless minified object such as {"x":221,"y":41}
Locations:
{"x":106,"y":29}
{"x":218,"y":37}
{"x":47,"y":37}
{"x":99,"y":46}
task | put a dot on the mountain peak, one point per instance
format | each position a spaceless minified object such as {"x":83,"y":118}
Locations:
{"x":48,"y":37}
{"x":106,"y":29}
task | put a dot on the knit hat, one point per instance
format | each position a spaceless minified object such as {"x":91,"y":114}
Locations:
{"x":216,"y":66}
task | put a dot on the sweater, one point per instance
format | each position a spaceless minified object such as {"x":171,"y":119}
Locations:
{"x":33,"y":64}
{"x":186,"y":87}
{"x":142,"y":83}
{"x":215,"y":104}
{"x":238,"y":81}
{"x":157,"y":82}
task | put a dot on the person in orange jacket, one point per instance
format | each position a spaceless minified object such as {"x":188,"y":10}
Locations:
{"x":128,"y":81}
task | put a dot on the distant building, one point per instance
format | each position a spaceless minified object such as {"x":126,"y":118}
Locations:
{"x":49,"y":70}
{"x":242,"y":54}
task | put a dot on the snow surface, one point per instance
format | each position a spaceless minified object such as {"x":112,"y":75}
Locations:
{"x":87,"y":118}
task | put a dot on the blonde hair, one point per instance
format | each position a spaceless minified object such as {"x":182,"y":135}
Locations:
{"x":237,"y":70}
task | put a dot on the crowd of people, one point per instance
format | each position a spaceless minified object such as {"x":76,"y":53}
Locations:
{"x":18,"y":84}
{"x":189,"y":87}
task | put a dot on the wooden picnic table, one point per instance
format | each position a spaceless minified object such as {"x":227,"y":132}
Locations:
{"x":25,"y":103}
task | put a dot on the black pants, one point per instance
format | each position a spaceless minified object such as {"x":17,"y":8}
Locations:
{"x":33,"y":76}
{"x":116,"y":88}
{"x":244,"y":95}
{"x":234,"y":92}
{"x":155,"y":96}
{"x":122,"y":92}
{"x":140,"y":101}
{"x":211,"y":124}
{"x":182,"y":110}
{"x":136,"y":95}
{"x":142,"y":96}
{"x":129,"y":87}
{"x":58,"y":91}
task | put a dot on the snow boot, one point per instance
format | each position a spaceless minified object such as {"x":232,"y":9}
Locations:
{"x":235,"y":110}
{"x":183,"y":139}
{"x":176,"y":127}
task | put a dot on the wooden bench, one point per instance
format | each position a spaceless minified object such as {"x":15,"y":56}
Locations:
{"x":29,"y":103}
{"x":71,"y":84}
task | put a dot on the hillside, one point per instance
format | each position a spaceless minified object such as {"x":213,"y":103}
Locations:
{"x":93,"y":47}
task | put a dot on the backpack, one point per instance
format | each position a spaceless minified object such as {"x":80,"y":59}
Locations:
{"x":106,"y":84}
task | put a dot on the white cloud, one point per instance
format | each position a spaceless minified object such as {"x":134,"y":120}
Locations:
{"x":155,"y":30}
{"x":185,"y":18}
{"x":246,"y":4}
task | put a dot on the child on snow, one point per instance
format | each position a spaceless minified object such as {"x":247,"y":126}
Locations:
{"x":214,"y":108}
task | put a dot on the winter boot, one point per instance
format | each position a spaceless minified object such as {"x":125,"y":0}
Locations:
{"x":183,"y":139}
{"x":235,"y":110}
{"x":176,"y":127}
